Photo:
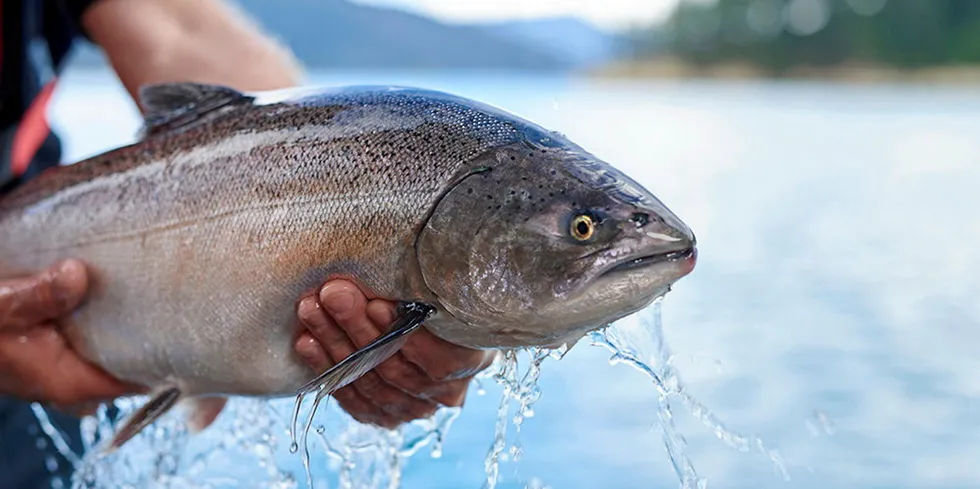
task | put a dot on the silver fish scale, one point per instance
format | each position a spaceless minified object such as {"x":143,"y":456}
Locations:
{"x":202,"y":240}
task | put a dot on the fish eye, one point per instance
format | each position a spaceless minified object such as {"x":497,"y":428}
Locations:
{"x":583,"y":227}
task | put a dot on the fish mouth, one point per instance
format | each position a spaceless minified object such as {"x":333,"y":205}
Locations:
{"x":654,"y":259}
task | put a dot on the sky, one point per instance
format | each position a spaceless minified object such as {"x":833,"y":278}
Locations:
{"x":609,"y":14}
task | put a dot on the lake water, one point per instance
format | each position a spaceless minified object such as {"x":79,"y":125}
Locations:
{"x":834,"y":312}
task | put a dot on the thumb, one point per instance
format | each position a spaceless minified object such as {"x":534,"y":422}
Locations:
{"x":40,"y":366}
{"x":30,"y":301}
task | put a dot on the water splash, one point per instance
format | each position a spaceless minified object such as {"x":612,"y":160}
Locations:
{"x":641,"y":345}
{"x":247,"y":434}
{"x":527,"y":393}
{"x":293,"y":446}
{"x":53,"y":434}
{"x":522,"y":389}
{"x":361,"y":456}
{"x":250,"y":432}
{"x":153,"y":459}
{"x":504,"y":377}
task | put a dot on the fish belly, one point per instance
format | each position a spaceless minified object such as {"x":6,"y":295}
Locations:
{"x":207,"y":305}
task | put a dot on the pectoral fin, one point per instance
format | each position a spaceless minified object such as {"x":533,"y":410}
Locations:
{"x":362,"y":361}
{"x":158,"y":405}
{"x":202,"y":411}
{"x":359,"y":363}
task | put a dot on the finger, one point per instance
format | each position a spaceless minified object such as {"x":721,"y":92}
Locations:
{"x":437,"y":358}
{"x":338,"y":346}
{"x":442,"y":360}
{"x":307,"y":345}
{"x":80,"y":409}
{"x":363,"y":410}
{"x":329,"y":337}
{"x":343,"y":301}
{"x":397,"y":404}
{"x":401,"y":373}
{"x":446,"y":361}
{"x":29,"y":301}
{"x":311,"y":350}
{"x":43,"y":368}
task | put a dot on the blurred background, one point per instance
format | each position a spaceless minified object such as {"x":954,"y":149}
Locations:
{"x":932,"y":40}
{"x":826,"y":154}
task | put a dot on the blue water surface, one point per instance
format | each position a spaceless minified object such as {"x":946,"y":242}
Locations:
{"x":834,"y":311}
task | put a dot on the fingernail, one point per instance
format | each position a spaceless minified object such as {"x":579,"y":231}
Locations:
{"x":67,"y":280}
{"x":308,"y":311}
{"x":339,"y":302}
{"x":308,"y":351}
{"x":58,"y":286}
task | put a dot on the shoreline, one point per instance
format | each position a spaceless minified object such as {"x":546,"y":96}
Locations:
{"x":847,"y":74}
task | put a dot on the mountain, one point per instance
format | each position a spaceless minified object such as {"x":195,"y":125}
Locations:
{"x":341,"y":35}
{"x":573,"y":40}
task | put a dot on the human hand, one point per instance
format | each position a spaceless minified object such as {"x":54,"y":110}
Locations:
{"x":425,"y":373}
{"x":36,"y":361}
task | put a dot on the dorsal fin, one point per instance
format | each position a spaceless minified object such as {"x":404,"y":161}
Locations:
{"x":170,"y":106}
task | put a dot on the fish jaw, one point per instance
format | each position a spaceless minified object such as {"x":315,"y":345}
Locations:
{"x":614,"y":295}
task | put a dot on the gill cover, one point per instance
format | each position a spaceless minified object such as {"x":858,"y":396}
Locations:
{"x":496,"y":244}
{"x":451,"y":237}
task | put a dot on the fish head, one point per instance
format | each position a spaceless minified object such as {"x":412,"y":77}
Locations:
{"x":538,"y":244}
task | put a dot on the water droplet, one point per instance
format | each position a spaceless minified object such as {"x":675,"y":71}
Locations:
{"x":641,"y":345}
{"x":820,"y":424}
{"x":560,"y":352}
{"x":51,"y":463}
{"x":536,"y":483}
{"x":436,"y":451}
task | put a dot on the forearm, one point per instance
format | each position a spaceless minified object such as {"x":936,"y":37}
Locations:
{"x":206,"y":41}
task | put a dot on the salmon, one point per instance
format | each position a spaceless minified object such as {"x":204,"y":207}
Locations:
{"x":489,"y":230}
